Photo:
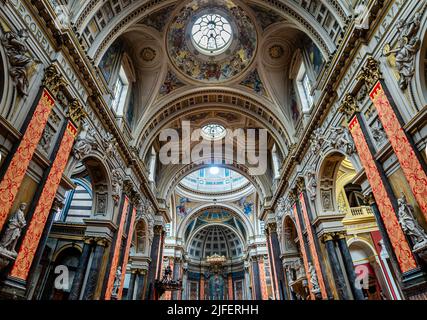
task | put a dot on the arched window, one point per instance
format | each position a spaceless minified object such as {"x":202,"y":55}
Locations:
{"x":141,"y":237}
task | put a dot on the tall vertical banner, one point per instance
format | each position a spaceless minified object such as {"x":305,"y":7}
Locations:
{"x":303,"y":252}
{"x":401,"y":247}
{"x":403,"y":149}
{"x":127,"y":251}
{"x":262,"y":279}
{"x":34,"y":232}
{"x":313,"y":250}
{"x":15,"y":173}
{"x":116,"y":251}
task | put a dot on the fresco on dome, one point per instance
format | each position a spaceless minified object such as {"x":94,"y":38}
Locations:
{"x":110,"y":61}
{"x":253,"y":81}
{"x":265,"y":17}
{"x":158,"y":19}
{"x":170,"y":84}
{"x":202,"y":68}
{"x":246,"y":205}
{"x":182,"y":209}
{"x":315,"y":57}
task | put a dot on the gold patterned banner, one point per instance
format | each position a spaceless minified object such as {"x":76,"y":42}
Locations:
{"x":34,"y":232}
{"x":403,"y":149}
{"x":262,"y":279}
{"x":116,"y":254}
{"x":313,"y":250}
{"x":15,"y":173}
{"x":303,"y":252}
{"x":398,"y":240}
{"x":127,"y":251}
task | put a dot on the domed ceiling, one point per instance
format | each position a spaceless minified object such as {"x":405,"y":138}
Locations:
{"x":213,"y":240}
{"x":212,"y":41}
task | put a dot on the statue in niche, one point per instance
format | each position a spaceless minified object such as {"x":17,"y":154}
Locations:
{"x":410,"y":224}
{"x":216,"y":287}
{"x":117,"y":282}
{"x":13,"y":232}
{"x":408,"y":46}
{"x":17,"y":52}
{"x":313,"y":278}
{"x":312,"y":184}
{"x":116,"y":184}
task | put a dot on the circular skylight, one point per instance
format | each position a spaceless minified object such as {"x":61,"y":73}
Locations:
{"x":214,"y":132}
{"x":212,"y":34}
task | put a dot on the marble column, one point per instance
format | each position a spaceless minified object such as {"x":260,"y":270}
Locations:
{"x":256,"y":280}
{"x":349,"y":267}
{"x":154,"y":256}
{"x":95,"y":268}
{"x":132,"y":282}
{"x":176,"y":276}
{"x":335,"y":266}
{"x":140,"y":280}
{"x":278,"y":266}
{"x":81,"y":271}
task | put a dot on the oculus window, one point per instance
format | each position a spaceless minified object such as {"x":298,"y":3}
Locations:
{"x":211,"y":34}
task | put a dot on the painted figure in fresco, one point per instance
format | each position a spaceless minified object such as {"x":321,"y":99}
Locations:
{"x":410,"y":225}
{"x":181,"y":208}
{"x":13,"y":231}
{"x":216,"y":288}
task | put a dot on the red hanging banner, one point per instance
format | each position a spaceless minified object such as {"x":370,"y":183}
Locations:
{"x":313,"y":250}
{"x":15,"y":173}
{"x":403,"y":149}
{"x":398,"y":240}
{"x":303,"y":252}
{"x":116,"y":255}
{"x":127,"y":251}
{"x":32,"y":237}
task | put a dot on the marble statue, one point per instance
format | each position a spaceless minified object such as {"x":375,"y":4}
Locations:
{"x":17,"y":52}
{"x":13,"y":231}
{"x":410,"y":224}
{"x":84,"y":143}
{"x":116,"y":184}
{"x":117,"y":282}
{"x":313,"y":278}
{"x":408,"y":46}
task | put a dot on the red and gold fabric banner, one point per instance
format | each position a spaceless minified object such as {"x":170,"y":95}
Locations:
{"x":34,"y":232}
{"x":303,"y":252}
{"x":403,"y":149}
{"x":15,"y":173}
{"x":262,"y":279}
{"x":230,"y":287}
{"x":398,"y":240}
{"x":116,"y":251}
{"x":127,"y":251}
{"x":313,"y":250}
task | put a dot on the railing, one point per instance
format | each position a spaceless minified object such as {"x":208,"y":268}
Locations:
{"x":360,"y":212}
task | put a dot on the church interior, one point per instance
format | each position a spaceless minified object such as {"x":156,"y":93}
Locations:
{"x":316,"y":111}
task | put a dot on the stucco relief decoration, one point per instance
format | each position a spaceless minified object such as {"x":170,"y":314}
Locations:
{"x":212,"y":68}
{"x":407,"y":47}
{"x":19,"y":59}
{"x":116,"y":185}
{"x":340,"y":139}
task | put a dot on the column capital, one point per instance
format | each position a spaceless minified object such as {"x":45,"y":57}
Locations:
{"x":349,"y":106}
{"x":328,"y":237}
{"x":370,"y":73}
{"x":53,"y":80}
{"x":101,"y":242}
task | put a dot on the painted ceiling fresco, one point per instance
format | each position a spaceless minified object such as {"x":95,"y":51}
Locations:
{"x":212,"y":69}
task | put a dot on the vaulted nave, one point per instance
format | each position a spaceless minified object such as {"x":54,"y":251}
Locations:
{"x":213,"y":150}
